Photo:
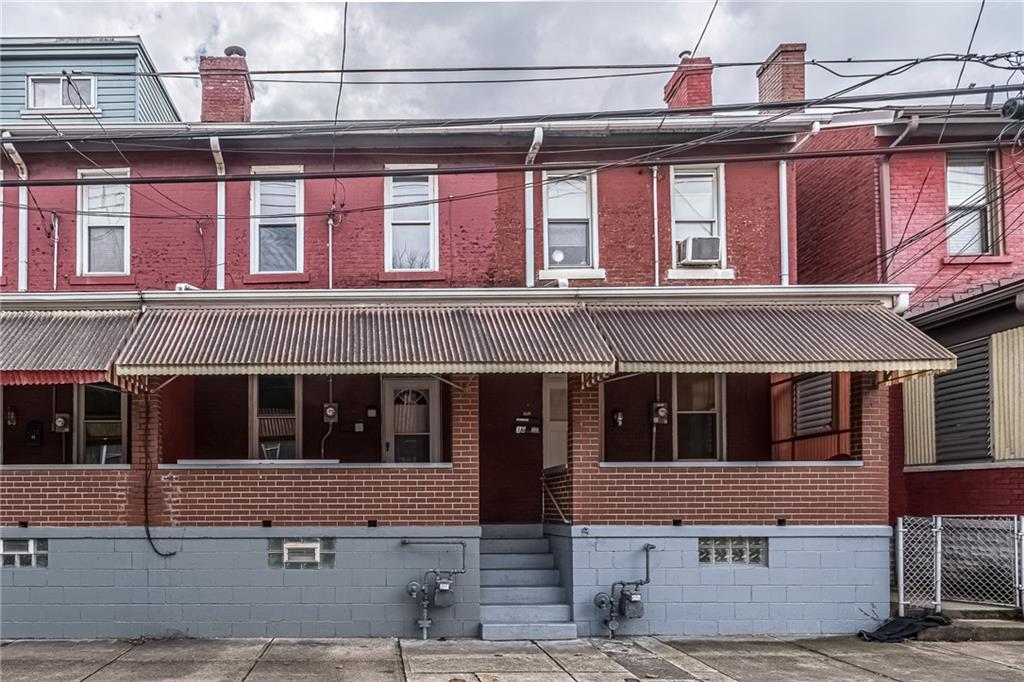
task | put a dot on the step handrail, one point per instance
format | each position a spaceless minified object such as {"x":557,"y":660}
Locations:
{"x":544,"y":484}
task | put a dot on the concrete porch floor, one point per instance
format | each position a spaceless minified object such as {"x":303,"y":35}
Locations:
{"x":633,"y":659}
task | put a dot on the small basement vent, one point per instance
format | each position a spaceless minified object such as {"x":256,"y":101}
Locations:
{"x":27,"y":553}
{"x":749,"y":551}
{"x":298,"y":553}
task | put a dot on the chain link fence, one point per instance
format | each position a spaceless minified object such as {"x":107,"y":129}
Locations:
{"x":974,"y":559}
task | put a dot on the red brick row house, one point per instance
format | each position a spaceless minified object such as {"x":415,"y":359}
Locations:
{"x":264,"y":403}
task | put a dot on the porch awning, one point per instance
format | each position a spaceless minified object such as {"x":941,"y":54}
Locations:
{"x":60,"y":346}
{"x":782,"y":337}
{"x":371,"y":339}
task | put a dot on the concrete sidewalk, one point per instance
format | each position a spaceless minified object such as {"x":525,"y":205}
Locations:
{"x":635,"y":659}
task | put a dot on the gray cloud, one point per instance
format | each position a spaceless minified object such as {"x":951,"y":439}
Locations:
{"x":308,"y":35}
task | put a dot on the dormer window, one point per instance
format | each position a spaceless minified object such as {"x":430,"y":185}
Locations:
{"x":59,"y":92}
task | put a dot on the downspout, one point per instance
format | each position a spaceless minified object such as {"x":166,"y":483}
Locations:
{"x":531,"y":156}
{"x":657,"y":255}
{"x":784,"y":222}
{"x":218,"y":159}
{"x":885,"y":199}
{"x":22,"y":213}
{"x":55,"y":232}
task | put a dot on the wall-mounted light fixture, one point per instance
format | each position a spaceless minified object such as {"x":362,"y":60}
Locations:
{"x":617,"y":418}
{"x":11,"y":417}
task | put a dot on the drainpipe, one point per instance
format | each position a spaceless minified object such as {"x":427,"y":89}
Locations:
{"x":885,"y":198}
{"x":531,"y":156}
{"x":784,"y":221}
{"x":657,"y":255}
{"x":22,"y":213}
{"x":218,"y":159}
{"x":55,"y":231}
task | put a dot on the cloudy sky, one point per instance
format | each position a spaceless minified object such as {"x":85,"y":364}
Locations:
{"x":308,"y":36}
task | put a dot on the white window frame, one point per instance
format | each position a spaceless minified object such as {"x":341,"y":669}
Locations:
{"x":556,"y":270}
{"x":389,"y":217}
{"x":720,"y":448}
{"x":388,"y":386}
{"x":254,"y":422}
{"x":989,"y":203}
{"x":30,"y":104}
{"x":254,"y":220}
{"x":83,"y":265}
{"x":78,"y":434}
{"x":288,"y":547}
{"x":33,"y":551}
{"x":686,"y":271}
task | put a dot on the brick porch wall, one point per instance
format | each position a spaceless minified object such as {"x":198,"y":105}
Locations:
{"x":803,"y":495}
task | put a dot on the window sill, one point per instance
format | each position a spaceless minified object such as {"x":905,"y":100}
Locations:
{"x":276,"y":278}
{"x":571,"y":273}
{"x":714,"y":464}
{"x":701,"y":273}
{"x":965,"y":466}
{"x":99,"y":280}
{"x":411,"y":276}
{"x":64,"y":112}
{"x":294,"y":464}
{"x":977,"y":260}
{"x":65,"y":467}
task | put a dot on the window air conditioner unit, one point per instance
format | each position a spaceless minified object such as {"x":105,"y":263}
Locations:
{"x":699,"y":251}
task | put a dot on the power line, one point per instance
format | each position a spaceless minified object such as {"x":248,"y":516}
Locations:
{"x":959,"y":78}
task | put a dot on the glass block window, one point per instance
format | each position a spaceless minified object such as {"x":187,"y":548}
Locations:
{"x":750,"y":551}
{"x":301,"y":553}
{"x":26,"y":553}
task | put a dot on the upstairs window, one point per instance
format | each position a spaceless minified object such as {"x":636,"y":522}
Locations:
{"x":813,"y":404}
{"x":970,"y":200}
{"x":277,"y":225}
{"x":103,"y":225}
{"x":570,"y":220}
{"x":411,"y":230}
{"x":58,"y":92}
{"x":696,"y":222}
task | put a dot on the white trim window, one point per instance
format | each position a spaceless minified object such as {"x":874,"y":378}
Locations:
{"x":570,"y":220}
{"x":60,"y":92}
{"x":698,"y":216}
{"x":101,"y":411}
{"x":104,"y":224}
{"x":24,"y":553}
{"x":411,"y":234}
{"x":697,"y":426}
{"x":969,"y":198}
{"x":276,"y":227}
{"x":275,"y":405}
{"x":412,"y":420}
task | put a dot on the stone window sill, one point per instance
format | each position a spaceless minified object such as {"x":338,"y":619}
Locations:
{"x":276,"y":278}
{"x":572,"y":273}
{"x":977,"y":260}
{"x":712,"y":464}
{"x":965,"y":466}
{"x":411,"y":276}
{"x":65,"y":467}
{"x":100,"y":280}
{"x":294,"y":464}
{"x":701,"y":273}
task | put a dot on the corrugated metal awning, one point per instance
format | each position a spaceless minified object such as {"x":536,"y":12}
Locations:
{"x":60,"y":346}
{"x":365,"y":340}
{"x":766,"y":338}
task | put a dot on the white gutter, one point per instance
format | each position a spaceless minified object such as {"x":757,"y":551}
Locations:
{"x":784,"y":222}
{"x":654,"y":200}
{"x":218,"y":160}
{"x":885,"y":294}
{"x":815,"y":129}
{"x":531,"y":155}
{"x":22,"y":213}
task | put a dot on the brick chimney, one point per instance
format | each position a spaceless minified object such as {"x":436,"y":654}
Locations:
{"x":781,"y":77}
{"x":227,"y":88}
{"x":690,"y":85}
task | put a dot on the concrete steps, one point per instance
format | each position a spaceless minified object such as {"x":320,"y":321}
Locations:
{"x":991,"y":630}
{"x":521,"y":596}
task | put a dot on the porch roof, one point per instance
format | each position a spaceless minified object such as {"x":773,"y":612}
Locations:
{"x":782,"y":337}
{"x":60,"y":346}
{"x":367,"y":339}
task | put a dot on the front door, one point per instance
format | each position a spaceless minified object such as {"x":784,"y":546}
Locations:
{"x":412,"y":420}
{"x":556,"y":420}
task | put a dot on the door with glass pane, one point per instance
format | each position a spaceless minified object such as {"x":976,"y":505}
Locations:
{"x":275,"y":429}
{"x":101,"y":410}
{"x":556,"y":420}
{"x":412,"y":420}
{"x":698,"y":429}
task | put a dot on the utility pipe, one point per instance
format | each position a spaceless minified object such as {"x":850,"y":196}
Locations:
{"x":784,"y":222}
{"x":654,"y":199}
{"x":22,"y":167}
{"x":218,"y":160}
{"x":55,"y":231}
{"x":531,"y":156}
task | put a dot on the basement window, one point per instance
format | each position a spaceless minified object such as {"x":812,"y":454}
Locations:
{"x":738,"y":551}
{"x":27,"y":553}
{"x":300,"y":553}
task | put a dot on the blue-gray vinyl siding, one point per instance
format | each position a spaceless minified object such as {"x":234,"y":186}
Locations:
{"x":154,"y":106}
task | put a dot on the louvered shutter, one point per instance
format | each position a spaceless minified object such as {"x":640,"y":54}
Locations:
{"x":1008,"y":394}
{"x":962,"y":405}
{"x":919,"y":420}
{"x":813,"y":404}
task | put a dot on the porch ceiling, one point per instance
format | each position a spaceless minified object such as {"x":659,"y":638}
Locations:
{"x":766,"y":338}
{"x":60,"y":346}
{"x":367,"y":339}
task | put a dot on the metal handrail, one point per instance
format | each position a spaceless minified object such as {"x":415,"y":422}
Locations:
{"x":544,"y":484}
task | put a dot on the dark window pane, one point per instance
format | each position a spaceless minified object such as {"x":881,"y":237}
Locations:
{"x":102,"y":402}
{"x":697,"y":436}
{"x":276,"y":392}
{"x":412,"y":448}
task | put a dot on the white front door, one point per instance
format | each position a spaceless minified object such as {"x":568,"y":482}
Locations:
{"x":556,"y":420}
{"x":412,"y":420}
